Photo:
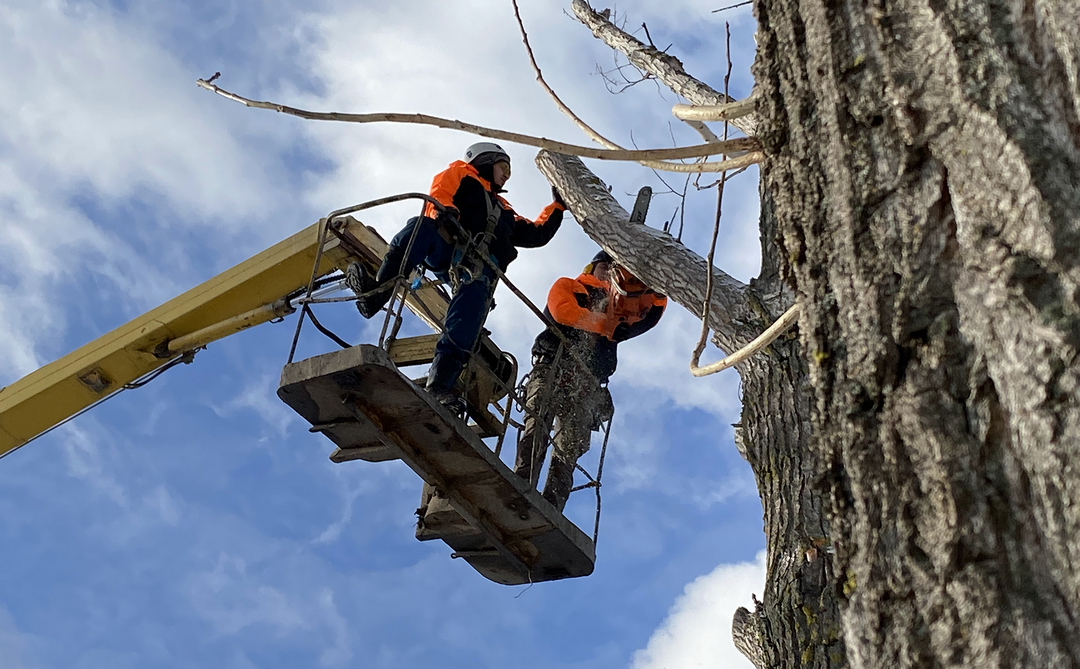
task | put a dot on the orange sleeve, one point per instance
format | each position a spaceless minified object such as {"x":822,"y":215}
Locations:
{"x":545,"y":214}
{"x":564,"y":308}
{"x":445,"y":186}
{"x":531,"y":234}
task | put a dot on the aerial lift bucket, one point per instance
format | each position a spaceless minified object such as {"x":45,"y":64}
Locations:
{"x":359,"y":399}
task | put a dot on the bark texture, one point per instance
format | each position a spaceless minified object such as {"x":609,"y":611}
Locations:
{"x":922,"y":163}
{"x":797,"y":622}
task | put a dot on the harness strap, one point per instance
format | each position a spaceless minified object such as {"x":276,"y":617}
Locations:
{"x":494,"y":212}
{"x":479,"y":245}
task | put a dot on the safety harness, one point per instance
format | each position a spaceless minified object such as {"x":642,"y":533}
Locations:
{"x":470,"y":253}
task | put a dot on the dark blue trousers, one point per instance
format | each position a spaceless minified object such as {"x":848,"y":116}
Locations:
{"x":468,"y":307}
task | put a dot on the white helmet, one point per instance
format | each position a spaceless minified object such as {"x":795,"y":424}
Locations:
{"x":481,"y":148}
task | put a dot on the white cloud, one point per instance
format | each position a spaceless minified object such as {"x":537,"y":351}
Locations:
{"x":697,"y":630}
{"x":333,"y":532}
{"x":341,"y":650}
{"x":239,"y":595}
{"x":87,"y":462}
{"x":101,"y":123}
{"x":94,"y":101}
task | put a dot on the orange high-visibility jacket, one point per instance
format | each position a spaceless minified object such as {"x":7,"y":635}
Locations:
{"x":461,"y":186}
{"x":595,"y":319}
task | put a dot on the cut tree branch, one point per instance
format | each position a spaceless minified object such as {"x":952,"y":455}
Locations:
{"x":654,"y":256}
{"x":747,"y":630}
{"x":665,"y":67}
{"x":725,"y":112}
{"x":764,"y":339}
{"x":708,"y":149}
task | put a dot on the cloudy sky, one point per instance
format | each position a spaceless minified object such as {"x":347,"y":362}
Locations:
{"x":195,"y":522}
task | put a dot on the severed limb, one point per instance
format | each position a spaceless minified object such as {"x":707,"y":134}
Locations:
{"x":748,"y":630}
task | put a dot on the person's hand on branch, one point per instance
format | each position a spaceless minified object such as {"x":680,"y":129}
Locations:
{"x":557,"y":197}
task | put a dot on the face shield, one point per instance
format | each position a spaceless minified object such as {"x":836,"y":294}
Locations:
{"x":626,"y":284}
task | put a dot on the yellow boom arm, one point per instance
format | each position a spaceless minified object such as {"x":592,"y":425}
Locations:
{"x":250,"y":293}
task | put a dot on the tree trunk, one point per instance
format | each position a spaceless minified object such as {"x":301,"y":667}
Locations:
{"x":922,"y":157}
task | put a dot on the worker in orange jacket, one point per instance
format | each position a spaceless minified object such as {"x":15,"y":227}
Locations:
{"x":605,"y":305}
{"x":470,"y":190}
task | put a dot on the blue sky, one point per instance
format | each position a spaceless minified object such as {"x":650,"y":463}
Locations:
{"x":195,"y":522}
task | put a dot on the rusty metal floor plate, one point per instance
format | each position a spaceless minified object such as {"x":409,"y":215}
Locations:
{"x":359,"y":399}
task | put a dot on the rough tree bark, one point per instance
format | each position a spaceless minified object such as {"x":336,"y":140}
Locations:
{"x":923,"y":156}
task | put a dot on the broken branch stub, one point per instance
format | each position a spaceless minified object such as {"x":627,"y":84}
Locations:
{"x":725,"y":112}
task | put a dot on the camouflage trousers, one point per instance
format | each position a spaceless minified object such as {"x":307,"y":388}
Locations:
{"x":565,"y":404}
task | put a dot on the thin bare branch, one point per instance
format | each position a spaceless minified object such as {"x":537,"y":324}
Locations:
{"x":613,"y":86}
{"x":726,"y":112}
{"x":663,"y":66}
{"x":728,"y":176}
{"x":737,"y":4}
{"x":703,"y":338}
{"x":707,"y":302}
{"x":563,"y":107}
{"x":742,"y":144}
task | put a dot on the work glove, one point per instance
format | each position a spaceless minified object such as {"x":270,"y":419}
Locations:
{"x":557,"y":197}
{"x":621,"y":333}
{"x":447,"y":230}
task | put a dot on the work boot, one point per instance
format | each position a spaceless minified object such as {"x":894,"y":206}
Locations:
{"x":442,"y":377}
{"x":453,"y":402}
{"x":360,"y":282}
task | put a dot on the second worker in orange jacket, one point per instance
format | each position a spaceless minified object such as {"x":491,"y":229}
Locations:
{"x":603,"y":306}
